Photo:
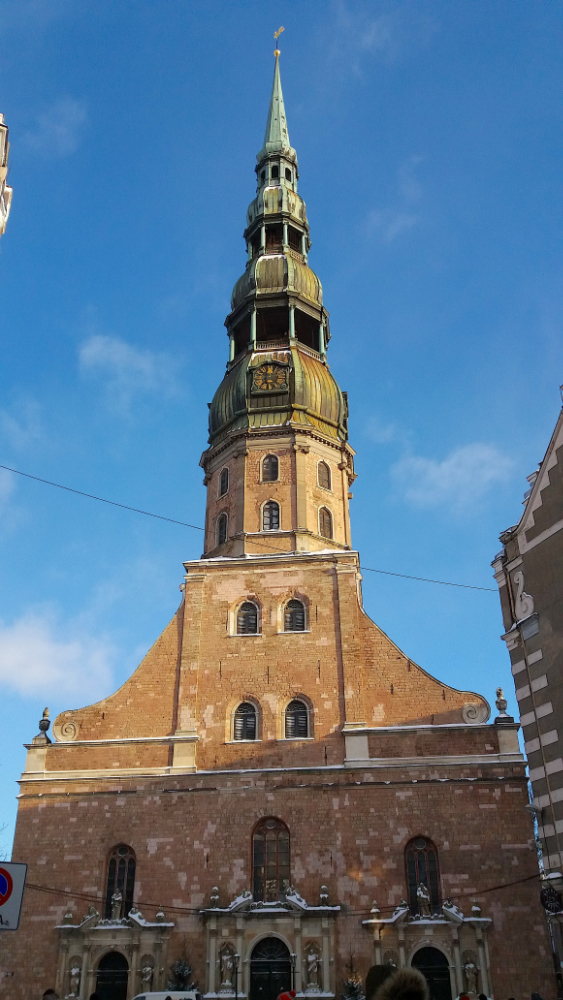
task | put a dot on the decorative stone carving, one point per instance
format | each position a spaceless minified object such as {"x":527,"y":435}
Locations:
{"x":116,"y":901}
{"x":323,"y":896}
{"x":391,"y":958}
{"x":74,"y":977}
{"x":313,"y":965}
{"x":523,"y":603}
{"x":44,"y":724}
{"x":214,"y":898}
{"x":66,"y":732}
{"x":470,"y":971}
{"x":423,"y":899}
{"x":473,"y":714}
{"x":227,"y":968}
{"x":147,"y":973}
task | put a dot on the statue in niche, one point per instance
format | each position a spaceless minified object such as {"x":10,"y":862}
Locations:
{"x":471,"y":975}
{"x":423,"y":898}
{"x":74,"y":981}
{"x":227,"y":968}
{"x":116,"y":901}
{"x":146,"y":977}
{"x":313,"y":968}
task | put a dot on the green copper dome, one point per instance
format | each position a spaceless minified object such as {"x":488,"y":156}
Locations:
{"x":313,"y":398}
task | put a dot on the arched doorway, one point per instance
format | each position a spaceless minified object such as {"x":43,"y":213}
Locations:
{"x":270,"y":969}
{"x":436,"y":969}
{"x":113,"y":973}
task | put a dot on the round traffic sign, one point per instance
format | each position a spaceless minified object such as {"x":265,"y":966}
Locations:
{"x":6,"y":886}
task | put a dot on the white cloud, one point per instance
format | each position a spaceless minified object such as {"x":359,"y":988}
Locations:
{"x":58,"y":129}
{"x":22,"y":429}
{"x":380,"y":432}
{"x":460,"y":481}
{"x":400,"y":216}
{"x":39,"y":657}
{"x":7,"y":487}
{"x":125,"y":370}
{"x":355,"y":34}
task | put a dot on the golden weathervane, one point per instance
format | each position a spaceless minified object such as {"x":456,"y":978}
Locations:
{"x":276,"y":36}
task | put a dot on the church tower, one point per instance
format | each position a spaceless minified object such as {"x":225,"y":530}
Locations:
{"x":275,"y":763}
{"x":279,"y":467}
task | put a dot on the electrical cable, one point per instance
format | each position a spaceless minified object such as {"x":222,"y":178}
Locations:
{"x":193,"y":909}
{"x":262,"y":542}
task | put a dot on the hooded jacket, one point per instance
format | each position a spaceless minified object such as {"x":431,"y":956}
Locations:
{"x":405,"y":984}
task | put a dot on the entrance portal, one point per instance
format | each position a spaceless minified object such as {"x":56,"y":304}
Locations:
{"x":113,"y":973}
{"x":436,"y":970}
{"x":270,"y":969}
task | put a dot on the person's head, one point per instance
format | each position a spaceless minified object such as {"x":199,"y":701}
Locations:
{"x":376,"y":977}
{"x":483,"y":996}
{"x":50,"y":995}
{"x":404,"y":984}
{"x":536,"y":996}
{"x":94,"y":996}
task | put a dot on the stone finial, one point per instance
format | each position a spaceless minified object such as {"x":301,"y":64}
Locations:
{"x":68,"y":917}
{"x":160,"y":918}
{"x":375,"y":908}
{"x":501,"y":704}
{"x":323,"y":896}
{"x":475,"y":910}
{"x":44,"y":724}
{"x":214,"y":898}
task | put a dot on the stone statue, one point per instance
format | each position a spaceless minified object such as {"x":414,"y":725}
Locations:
{"x":227,"y":967}
{"x":116,"y":901}
{"x":471,"y":973}
{"x":312,"y":969}
{"x":323,"y":896}
{"x":74,"y":981}
{"x":146,"y":977}
{"x":423,"y":898}
{"x":214,"y":899}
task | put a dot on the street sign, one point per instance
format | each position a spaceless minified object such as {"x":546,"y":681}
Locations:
{"x":12,"y":883}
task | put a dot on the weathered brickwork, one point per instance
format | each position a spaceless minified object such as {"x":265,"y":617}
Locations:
{"x":348,"y":831}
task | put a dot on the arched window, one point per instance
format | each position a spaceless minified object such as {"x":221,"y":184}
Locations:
{"x":325,"y":523}
{"x":275,"y":172}
{"x":222,"y":528}
{"x":120,"y":879}
{"x":270,"y":469}
{"x":294,"y":617}
{"x":245,"y":722}
{"x":296,"y":720}
{"x":247,"y":619}
{"x":271,"y":516}
{"x":270,"y":860}
{"x":421,"y":861}
{"x":224,"y":482}
{"x":323,"y":475}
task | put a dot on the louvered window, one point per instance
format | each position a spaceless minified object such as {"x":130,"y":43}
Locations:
{"x":224,"y":482}
{"x":323,"y":475}
{"x":245,"y":722}
{"x":270,"y":860}
{"x":294,"y":617}
{"x":271,"y":516}
{"x":222,"y":525}
{"x":120,"y":878}
{"x":421,"y":861}
{"x":247,"y":619}
{"x":296,"y":721}
{"x":325,"y":523}
{"x":270,"y":469}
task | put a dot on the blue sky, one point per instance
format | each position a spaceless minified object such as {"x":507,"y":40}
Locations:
{"x":429,"y":140}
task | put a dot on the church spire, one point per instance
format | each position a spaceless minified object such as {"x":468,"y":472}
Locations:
{"x":276,"y":139}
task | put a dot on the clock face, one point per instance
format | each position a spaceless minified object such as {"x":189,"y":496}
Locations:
{"x":270,"y":377}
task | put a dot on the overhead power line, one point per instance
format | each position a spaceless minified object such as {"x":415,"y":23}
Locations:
{"x":197,"y":527}
{"x":90,"y":898}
